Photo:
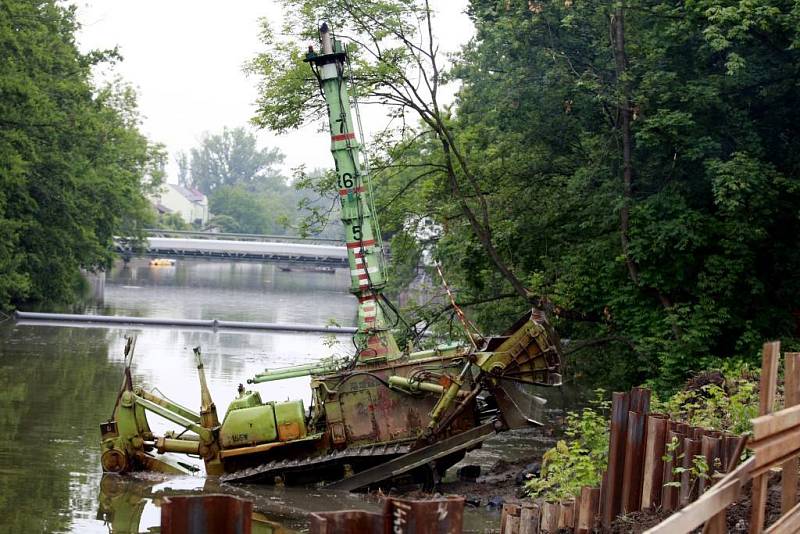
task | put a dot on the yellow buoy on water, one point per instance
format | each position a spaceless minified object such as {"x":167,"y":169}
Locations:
{"x":162,"y":262}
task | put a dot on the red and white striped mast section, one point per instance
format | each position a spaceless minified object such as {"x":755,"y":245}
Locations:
{"x":367,"y":273}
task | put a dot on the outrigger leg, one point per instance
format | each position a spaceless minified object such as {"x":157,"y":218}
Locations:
{"x":127,"y":441}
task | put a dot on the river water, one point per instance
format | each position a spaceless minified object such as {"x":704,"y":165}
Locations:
{"x":58,"y":383}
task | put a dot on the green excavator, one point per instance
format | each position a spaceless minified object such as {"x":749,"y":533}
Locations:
{"x":381,"y":415}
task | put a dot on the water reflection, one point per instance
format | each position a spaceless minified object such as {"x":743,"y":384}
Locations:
{"x":131,"y":505}
{"x":54,"y":386}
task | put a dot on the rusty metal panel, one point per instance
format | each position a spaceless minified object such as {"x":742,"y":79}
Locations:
{"x":347,"y":522}
{"x":710,"y":449}
{"x":206,"y":514}
{"x":670,"y":493}
{"x":435,"y":516}
{"x":566,"y":515}
{"x":603,"y":496}
{"x":633,"y":467}
{"x":640,"y":400}
{"x":734,"y":445}
{"x":333,"y":414}
{"x":509,"y":510}
{"x":529,"y":518}
{"x":400,"y":516}
{"x":620,"y":404}
{"x":289,"y":431}
{"x":653,"y":461}
{"x":588,"y":510}
{"x":397,"y":418}
{"x":549,"y":517}
{"x":359,"y":414}
{"x":691,"y":448}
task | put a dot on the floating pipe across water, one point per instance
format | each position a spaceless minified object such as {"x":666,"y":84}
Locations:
{"x":32,"y":318}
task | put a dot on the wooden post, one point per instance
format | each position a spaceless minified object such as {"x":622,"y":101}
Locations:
{"x":717,"y":524}
{"x":791,"y":393}
{"x":768,"y":385}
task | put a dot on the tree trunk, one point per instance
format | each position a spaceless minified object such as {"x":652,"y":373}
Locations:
{"x":624,"y":110}
{"x":624,"y":124}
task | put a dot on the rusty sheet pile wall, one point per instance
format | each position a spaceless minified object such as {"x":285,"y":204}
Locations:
{"x":775,"y":443}
{"x":637,"y":477}
{"x":400,"y":516}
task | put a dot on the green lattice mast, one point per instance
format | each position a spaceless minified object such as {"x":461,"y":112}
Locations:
{"x":367,"y":273}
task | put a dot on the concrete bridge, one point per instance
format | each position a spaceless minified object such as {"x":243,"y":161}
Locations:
{"x":240,"y":247}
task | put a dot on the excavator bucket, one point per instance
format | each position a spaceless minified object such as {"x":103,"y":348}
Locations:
{"x":524,"y":358}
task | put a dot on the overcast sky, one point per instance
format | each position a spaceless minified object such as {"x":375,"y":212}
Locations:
{"x":185,"y":58}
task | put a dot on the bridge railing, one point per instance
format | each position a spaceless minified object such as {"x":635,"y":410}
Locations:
{"x":187,"y":245}
{"x":156,"y":232}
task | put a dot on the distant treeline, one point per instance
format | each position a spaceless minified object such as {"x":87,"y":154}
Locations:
{"x":247,"y":192}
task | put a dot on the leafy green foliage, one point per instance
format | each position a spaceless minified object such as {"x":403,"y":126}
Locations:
{"x":171,"y":221}
{"x":728,"y":406}
{"x":318,"y":204}
{"x":579,"y":461}
{"x":75,"y":168}
{"x":698,"y":470}
{"x":254,"y":214}
{"x":711,"y":224}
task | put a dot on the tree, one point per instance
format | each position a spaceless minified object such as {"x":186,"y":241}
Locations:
{"x":395,"y":62}
{"x":246,"y":190}
{"x":182,"y":161}
{"x":75,"y":167}
{"x":232,"y":158}
{"x":254,"y":214}
{"x":630,"y":124}
{"x":172,"y":221}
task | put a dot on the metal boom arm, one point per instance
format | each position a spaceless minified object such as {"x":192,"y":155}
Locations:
{"x":364,"y":253}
